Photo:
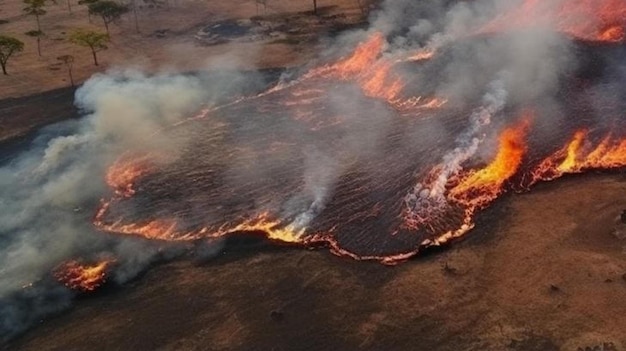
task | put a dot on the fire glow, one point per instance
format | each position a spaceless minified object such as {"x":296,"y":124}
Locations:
{"x":455,"y":204}
{"x":82,"y":277}
{"x":592,"y":20}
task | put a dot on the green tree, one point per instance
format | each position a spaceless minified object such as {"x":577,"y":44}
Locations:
{"x":36,"y":34}
{"x":87,"y":2}
{"x":8,"y":46}
{"x":95,"y":41}
{"x":108,"y":10}
{"x":68,"y":61}
{"x":35,"y":8}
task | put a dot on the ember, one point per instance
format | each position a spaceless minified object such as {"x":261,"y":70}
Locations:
{"x":82,"y":277}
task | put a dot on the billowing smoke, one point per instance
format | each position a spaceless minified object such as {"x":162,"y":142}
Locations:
{"x":49,"y":191}
{"x":517,"y":67}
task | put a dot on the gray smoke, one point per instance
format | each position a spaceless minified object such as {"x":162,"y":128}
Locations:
{"x":513,"y":68}
{"x":50,"y":190}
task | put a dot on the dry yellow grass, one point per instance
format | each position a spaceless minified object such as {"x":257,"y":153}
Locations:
{"x":177,"y":50}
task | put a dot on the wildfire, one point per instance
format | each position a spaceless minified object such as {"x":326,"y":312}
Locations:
{"x":123,"y":173}
{"x":167,"y":229}
{"x":478,"y":188}
{"x":378,"y":82}
{"x":365,"y":54}
{"x":158,"y":229}
{"x":81,"y":277}
{"x":273,"y":228}
{"x":444,"y":205}
{"x":580,"y":155}
{"x":595,"y":20}
{"x":366,"y":67}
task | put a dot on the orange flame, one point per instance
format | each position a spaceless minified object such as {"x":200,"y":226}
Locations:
{"x":159,"y":229}
{"x":597,"y":20}
{"x":579,"y":155}
{"x":478,"y":188}
{"x":166,"y":229}
{"x":273,"y":228}
{"x":365,"y":54}
{"x":85,"y":278}
{"x":378,"y":82}
{"x":373,"y":73}
{"x":123,"y":173}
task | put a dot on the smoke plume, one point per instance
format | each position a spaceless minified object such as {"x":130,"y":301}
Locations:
{"x":50,"y":189}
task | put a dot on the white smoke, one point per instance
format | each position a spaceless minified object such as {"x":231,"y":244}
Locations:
{"x":425,"y":197}
{"x":49,"y":190}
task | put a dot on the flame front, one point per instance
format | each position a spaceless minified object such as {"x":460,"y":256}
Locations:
{"x":595,"y":20}
{"x":373,"y":73}
{"x":273,"y":229}
{"x":81,"y":277}
{"x":478,"y":188}
{"x":580,"y":155}
{"x":123,"y":173}
{"x":442,"y":209}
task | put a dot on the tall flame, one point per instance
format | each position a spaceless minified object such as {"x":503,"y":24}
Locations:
{"x":366,"y":66}
{"x":579,"y":155}
{"x":479,"y":188}
{"x":365,"y":54}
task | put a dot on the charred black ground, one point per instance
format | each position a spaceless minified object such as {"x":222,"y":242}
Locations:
{"x":252,"y":155}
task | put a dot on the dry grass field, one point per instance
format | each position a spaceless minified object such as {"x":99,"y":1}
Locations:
{"x":165,"y":42}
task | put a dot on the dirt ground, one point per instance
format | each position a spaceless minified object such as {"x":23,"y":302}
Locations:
{"x":166,"y":41}
{"x":542,"y":271}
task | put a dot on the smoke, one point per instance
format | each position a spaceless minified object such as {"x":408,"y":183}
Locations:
{"x":49,"y":190}
{"x":511,"y":69}
{"x":425,"y":197}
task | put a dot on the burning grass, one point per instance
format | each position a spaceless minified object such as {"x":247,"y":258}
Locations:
{"x":329,"y":159}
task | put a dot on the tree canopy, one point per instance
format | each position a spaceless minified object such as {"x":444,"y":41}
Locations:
{"x":95,"y":41}
{"x":35,"y":8}
{"x":108,"y":10}
{"x":8,"y":46}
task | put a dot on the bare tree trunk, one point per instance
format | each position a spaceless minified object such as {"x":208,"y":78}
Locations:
{"x":134,"y":2}
{"x":315,"y":7}
{"x":4,"y":67}
{"x":95,"y":58}
{"x":69,"y":70}
{"x":106,"y":26}
{"x":38,"y":45}
{"x":69,"y":6}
